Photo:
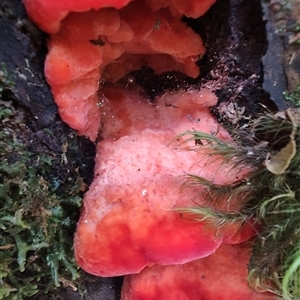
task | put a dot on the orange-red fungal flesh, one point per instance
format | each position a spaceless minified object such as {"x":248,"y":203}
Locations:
{"x":222,"y":276}
{"x":127,"y":222}
{"x":91,"y":41}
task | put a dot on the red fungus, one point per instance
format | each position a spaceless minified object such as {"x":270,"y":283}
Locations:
{"x":87,"y":43}
{"x":48,"y":14}
{"x":193,"y":9}
{"x":127,"y":222}
{"x":222,"y":276}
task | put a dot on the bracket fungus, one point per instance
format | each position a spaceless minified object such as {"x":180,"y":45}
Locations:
{"x":127,"y":222}
{"x":204,"y":279}
{"x":85,"y":47}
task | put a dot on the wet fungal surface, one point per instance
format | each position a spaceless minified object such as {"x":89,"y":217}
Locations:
{"x":234,"y":35}
{"x":183,"y":278}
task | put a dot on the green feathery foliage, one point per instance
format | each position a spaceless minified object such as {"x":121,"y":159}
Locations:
{"x":269,"y":147}
{"x":36,"y":223}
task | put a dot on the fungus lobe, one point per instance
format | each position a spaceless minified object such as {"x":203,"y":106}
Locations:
{"x":85,"y":47}
{"x":222,"y":276}
{"x":127,"y":222}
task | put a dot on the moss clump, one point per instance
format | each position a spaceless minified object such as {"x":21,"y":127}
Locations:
{"x":37,"y":217}
{"x":269,"y":147}
{"x":293,"y":97}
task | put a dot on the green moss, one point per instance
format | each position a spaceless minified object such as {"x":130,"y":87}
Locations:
{"x":294,"y":96}
{"x":37,"y":220}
